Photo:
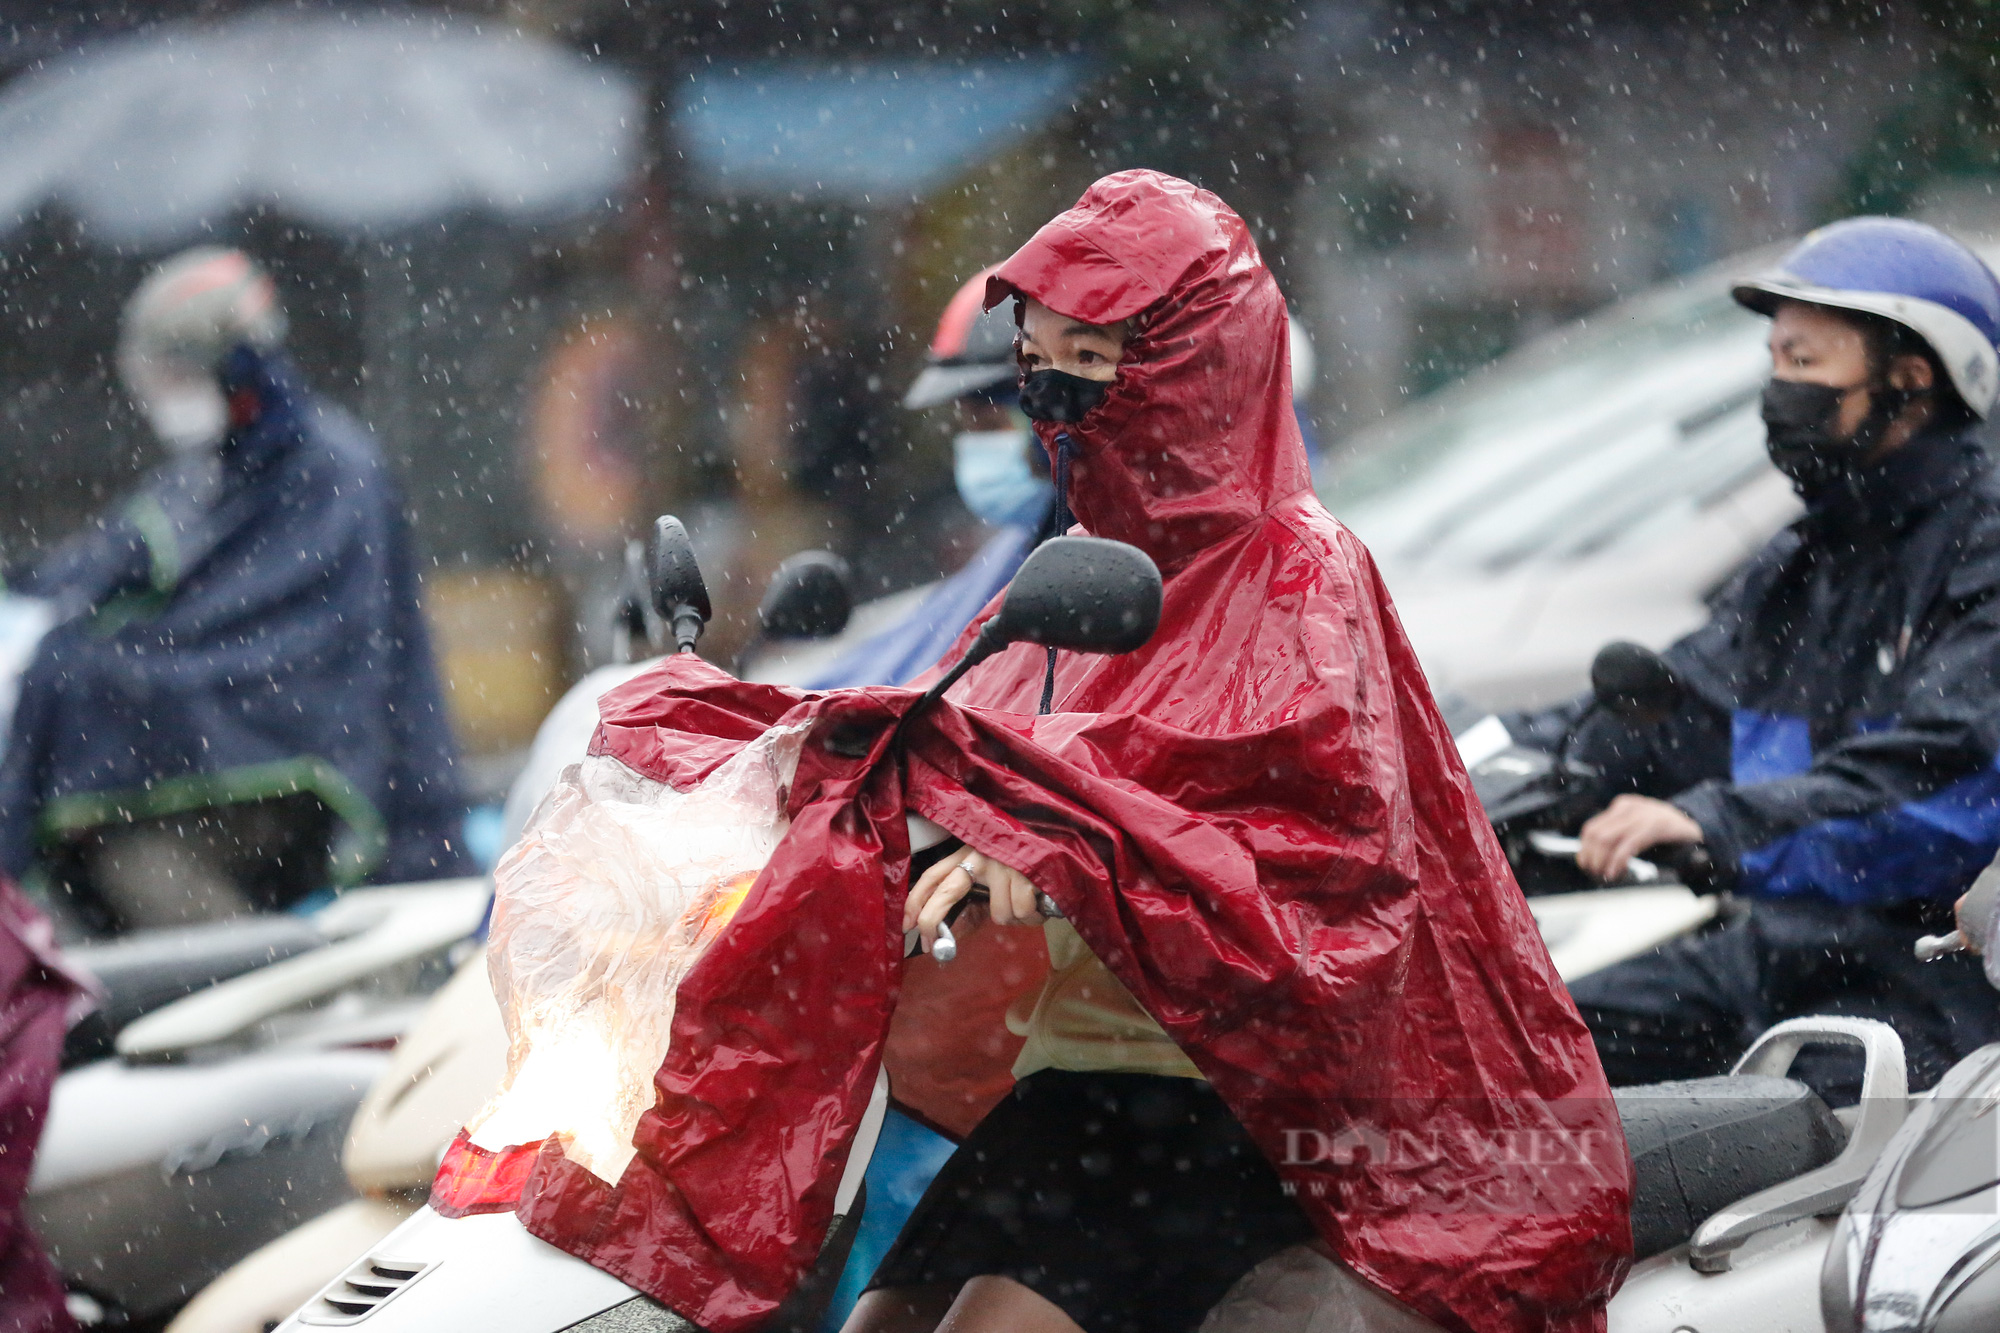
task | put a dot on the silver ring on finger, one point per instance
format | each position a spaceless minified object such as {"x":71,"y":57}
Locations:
{"x":967,"y":866}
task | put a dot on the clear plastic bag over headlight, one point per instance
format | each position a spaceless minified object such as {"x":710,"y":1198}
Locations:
{"x":611,"y":896}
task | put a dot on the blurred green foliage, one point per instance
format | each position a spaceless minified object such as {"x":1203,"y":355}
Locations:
{"x":1948,"y":126}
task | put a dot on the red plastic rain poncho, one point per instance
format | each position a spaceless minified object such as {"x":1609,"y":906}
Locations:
{"x":40,"y":995}
{"x":1257,"y":821}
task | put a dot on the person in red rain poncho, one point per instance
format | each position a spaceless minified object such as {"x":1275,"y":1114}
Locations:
{"x":1189,"y":452}
{"x":1295,"y":994}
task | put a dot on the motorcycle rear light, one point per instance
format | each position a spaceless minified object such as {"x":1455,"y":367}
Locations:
{"x":362,"y":1290}
{"x":470,"y":1180}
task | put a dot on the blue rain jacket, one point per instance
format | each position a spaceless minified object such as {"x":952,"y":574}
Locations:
{"x":1839,"y":736}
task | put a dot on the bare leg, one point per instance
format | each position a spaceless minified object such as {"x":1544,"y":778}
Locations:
{"x":1002,"y":1305}
{"x":899,"y":1310}
{"x":984,"y":1305}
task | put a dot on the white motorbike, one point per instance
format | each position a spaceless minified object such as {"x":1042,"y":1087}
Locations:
{"x":1736,"y":1178}
{"x":1918,"y":1250}
{"x":201,"y":1111}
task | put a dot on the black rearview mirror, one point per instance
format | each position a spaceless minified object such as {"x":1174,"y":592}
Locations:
{"x":1083,"y":593}
{"x":1087,"y":594}
{"x":1634,"y":682}
{"x":810,"y":596}
{"x":679,"y":593}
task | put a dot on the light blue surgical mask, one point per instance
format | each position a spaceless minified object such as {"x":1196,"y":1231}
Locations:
{"x":996,"y":480}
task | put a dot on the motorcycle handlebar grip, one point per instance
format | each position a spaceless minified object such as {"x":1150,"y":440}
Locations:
{"x":946,"y":947}
{"x":1689,"y":862}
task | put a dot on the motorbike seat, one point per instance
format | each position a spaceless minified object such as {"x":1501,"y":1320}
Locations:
{"x":1699,"y":1145}
{"x":150,"y":969}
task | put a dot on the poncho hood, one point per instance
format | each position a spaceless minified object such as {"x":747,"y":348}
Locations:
{"x":1196,"y":437}
{"x":1258,"y":822}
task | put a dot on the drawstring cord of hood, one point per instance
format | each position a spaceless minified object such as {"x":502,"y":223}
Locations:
{"x":1063,"y":519}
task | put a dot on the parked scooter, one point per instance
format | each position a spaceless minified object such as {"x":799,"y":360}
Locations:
{"x":1918,"y":1250}
{"x":200,"y":1112}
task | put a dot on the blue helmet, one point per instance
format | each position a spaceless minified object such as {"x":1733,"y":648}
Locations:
{"x":1906,"y":272}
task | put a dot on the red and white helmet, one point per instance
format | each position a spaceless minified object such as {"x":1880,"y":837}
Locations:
{"x":195,"y":309}
{"x":972,"y":351}
{"x":180,"y":326}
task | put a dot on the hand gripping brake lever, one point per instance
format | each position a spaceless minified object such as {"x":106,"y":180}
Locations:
{"x":945,"y":949}
{"x":1975,"y":915}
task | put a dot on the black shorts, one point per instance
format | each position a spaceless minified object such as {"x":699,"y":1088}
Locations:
{"x":1132,"y":1201}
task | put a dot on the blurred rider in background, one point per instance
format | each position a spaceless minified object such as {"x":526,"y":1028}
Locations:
{"x":238,"y":704}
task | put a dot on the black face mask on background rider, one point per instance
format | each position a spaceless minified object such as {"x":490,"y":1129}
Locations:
{"x":1058,"y":396}
{"x":1799,"y":426}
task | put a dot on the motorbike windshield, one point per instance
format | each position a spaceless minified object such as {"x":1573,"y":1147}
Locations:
{"x":616,"y":889}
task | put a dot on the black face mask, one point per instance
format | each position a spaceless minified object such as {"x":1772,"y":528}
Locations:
{"x":1798,"y":431}
{"x":1057,"y":395}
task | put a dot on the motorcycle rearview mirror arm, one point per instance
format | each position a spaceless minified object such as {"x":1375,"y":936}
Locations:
{"x":679,"y":593}
{"x":1087,"y":594}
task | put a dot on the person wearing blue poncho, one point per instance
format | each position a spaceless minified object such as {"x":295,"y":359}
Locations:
{"x":238,"y":704}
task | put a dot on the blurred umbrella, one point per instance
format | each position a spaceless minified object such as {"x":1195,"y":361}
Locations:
{"x":352,"y":123}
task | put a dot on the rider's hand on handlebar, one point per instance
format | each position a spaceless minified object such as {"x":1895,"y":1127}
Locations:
{"x":1010,"y":897}
{"x":1627,"y":827}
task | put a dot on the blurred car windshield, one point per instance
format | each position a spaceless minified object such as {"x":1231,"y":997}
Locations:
{"x":1610,"y":431}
